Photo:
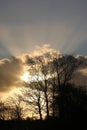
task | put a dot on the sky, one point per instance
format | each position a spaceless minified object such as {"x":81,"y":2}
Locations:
{"x":25,"y":24}
{"x":41,"y":25}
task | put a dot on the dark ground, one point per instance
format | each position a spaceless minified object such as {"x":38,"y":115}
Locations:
{"x":54,"y":124}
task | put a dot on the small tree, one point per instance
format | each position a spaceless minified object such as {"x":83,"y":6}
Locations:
{"x":16,"y":107}
{"x":2,"y":110}
{"x":34,"y":99}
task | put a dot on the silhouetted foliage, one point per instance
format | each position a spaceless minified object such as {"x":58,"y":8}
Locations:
{"x":72,"y":103}
{"x":49,"y":93}
{"x":34,"y":100}
{"x":16,"y":107}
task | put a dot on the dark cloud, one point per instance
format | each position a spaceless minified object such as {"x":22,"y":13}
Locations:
{"x":80,"y":78}
{"x":10,"y":72}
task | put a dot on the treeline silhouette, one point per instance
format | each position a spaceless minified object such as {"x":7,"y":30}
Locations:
{"x":57,"y":102}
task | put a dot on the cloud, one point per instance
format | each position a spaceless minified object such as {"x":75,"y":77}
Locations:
{"x":42,"y":49}
{"x":39,"y":51}
{"x":12,"y":69}
{"x":10,"y":72}
{"x":80,"y":78}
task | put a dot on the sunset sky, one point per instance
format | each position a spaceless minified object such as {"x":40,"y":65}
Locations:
{"x":26,"y":25}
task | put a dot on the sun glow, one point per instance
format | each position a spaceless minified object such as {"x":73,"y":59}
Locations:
{"x":28,"y":78}
{"x":25,"y":77}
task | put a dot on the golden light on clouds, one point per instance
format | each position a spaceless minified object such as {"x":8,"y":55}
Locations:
{"x":13,"y":71}
{"x":83,"y":71}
